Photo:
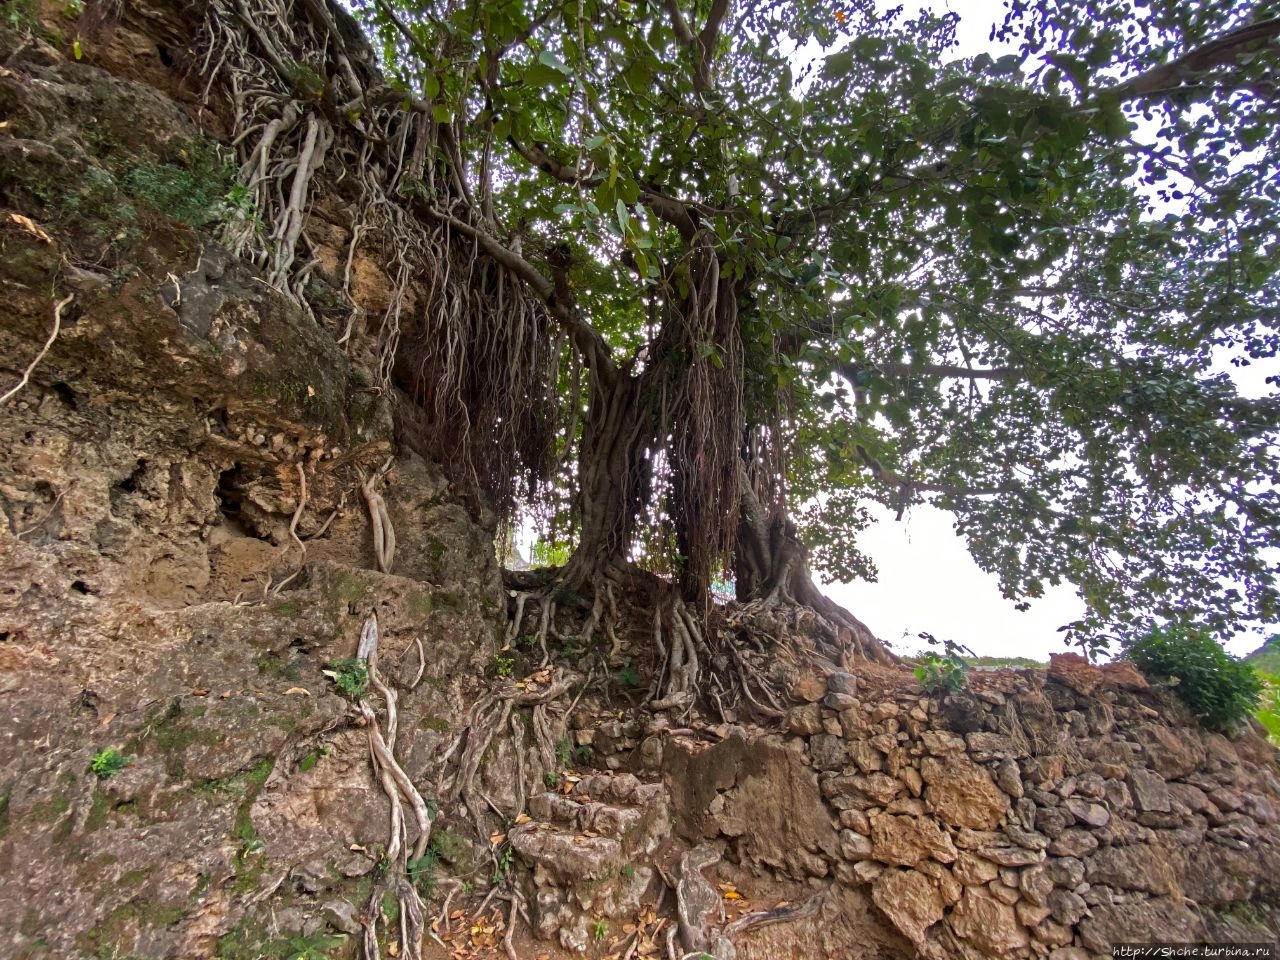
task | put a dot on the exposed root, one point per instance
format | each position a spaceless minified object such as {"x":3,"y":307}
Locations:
{"x":678,"y":637}
{"x":293,"y":534}
{"x":399,"y":790}
{"x":53,"y":335}
{"x":492,"y":713}
{"x":384,"y":534}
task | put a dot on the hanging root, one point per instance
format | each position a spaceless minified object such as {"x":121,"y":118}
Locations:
{"x":293,"y":534}
{"x":399,"y":790}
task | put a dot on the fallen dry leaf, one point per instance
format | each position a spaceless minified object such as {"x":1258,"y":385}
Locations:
{"x":302,"y":690}
{"x":523,"y":818}
{"x":29,"y":225}
{"x":495,"y":839}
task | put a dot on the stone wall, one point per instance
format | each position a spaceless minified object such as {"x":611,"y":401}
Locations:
{"x":1034,"y":814}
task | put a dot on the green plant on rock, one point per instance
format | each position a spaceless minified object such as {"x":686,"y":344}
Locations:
{"x":107,"y":763}
{"x":564,"y":751}
{"x":599,"y":929}
{"x":943,"y":673}
{"x":1268,"y":712}
{"x":1215,"y":686}
{"x":422,"y":870}
{"x":503,"y":866}
{"x":627,"y":676}
{"x":504,"y":665}
{"x":351,"y":674}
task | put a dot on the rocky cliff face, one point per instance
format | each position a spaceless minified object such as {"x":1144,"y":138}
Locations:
{"x":187,"y":546}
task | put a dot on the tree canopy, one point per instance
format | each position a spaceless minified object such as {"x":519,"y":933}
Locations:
{"x":796,"y":257}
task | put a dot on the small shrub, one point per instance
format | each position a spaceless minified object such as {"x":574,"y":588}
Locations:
{"x":351,"y":674}
{"x":1218,"y":688}
{"x":503,"y":866}
{"x":599,"y":929}
{"x":109,"y":762}
{"x":944,"y":673}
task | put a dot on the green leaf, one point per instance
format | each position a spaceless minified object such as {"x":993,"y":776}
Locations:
{"x":547,"y":58}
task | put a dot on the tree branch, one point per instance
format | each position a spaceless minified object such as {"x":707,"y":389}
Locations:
{"x":908,"y":487}
{"x":1219,"y":52}
{"x":595,"y":351}
{"x":538,"y":156}
{"x":850,"y":370}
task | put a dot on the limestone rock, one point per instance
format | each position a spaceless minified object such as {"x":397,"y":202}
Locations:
{"x":1073,"y":843}
{"x":1154,"y":869}
{"x":1169,"y":753}
{"x":1036,"y":884}
{"x":906,"y":841}
{"x":1160,"y":921}
{"x":805,"y":720}
{"x":1150,"y":792}
{"x":866,"y":757}
{"x":973,"y":870}
{"x":1031,"y":915}
{"x":1067,"y":907}
{"x":962,"y":794}
{"x":989,"y":925}
{"x":1094,"y":814}
{"x":1075,"y":671}
{"x":910,"y":900}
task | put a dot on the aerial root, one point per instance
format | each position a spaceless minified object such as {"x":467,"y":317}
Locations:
{"x":678,"y":637}
{"x":492,"y":713}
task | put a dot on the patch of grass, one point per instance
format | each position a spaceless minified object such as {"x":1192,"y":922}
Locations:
{"x":107,"y":763}
{"x":422,"y":871}
{"x":243,"y":827}
{"x":60,"y":804}
{"x":246,"y":942}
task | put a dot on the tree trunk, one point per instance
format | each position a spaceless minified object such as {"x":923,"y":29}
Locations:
{"x":770,"y":565}
{"x":613,"y":477}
